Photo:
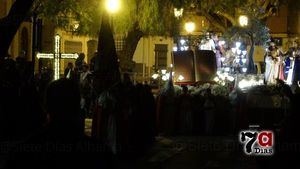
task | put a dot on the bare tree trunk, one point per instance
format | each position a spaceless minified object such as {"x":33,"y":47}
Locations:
{"x":10,"y":24}
{"x":131,"y":42}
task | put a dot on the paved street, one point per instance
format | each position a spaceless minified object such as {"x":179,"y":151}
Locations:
{"x":190,"y":152}
{"x":196,"y":152}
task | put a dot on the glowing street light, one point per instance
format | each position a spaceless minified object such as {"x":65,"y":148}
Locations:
{"x":190,"y":27}
{"x":112,"y":6}
{"x":243,"y":20}
{"x":178,"y":12}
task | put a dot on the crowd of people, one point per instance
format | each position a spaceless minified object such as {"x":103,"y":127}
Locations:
{"x":282,"y":65}
{"x":42,"y":121}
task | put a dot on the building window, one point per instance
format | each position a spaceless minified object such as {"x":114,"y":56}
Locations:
{"x":161,"y":51}
{"x":73,"y":47}
{"x":120,"y":43}
{"x":92,"y":48}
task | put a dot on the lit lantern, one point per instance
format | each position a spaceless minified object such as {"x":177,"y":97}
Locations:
{"x":190,"y":27}
{"x":243,"y":20}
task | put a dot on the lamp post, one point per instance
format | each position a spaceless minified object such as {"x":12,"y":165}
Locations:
{"x":178,"y":12}
{"x":112,"y":7}
{"x":243,"y":20}
{"x":189,"y":27}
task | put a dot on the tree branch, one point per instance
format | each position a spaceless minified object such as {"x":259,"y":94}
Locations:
{"x":265,"y":15}
{"x":227,"y":16}
{"x":266,"y":4}
{"x":213,"y":21}
{"x":10,"y":24}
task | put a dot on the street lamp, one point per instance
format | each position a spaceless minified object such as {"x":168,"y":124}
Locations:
{"x":178,"y":12}
{"x":112,"y":6}
{"x":243,"y":20}
{"x":190,"y":27}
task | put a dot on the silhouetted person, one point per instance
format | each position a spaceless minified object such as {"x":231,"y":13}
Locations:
{"x":149,"y":108}
{"x":79,"y":62}
{"x":69,"y":71}
{"x":142,"y":125}
{"x":93,"y":62}
{"x":185,"y":112}
{"x":63,"y":106}
{"x":62,"y":144}
{"x":20,"y":112}
{"x":287,"y":140}
{"x":166,"y":110}
{"x":85,"y":84}
{"x":210,"y":112}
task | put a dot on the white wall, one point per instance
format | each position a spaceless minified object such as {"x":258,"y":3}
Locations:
{"x":145,"y":53}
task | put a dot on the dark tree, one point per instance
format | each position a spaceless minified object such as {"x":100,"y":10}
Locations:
{"x":10,"y":24}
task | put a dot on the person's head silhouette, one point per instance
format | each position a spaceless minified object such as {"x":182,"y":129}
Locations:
{"x":63,"y":106}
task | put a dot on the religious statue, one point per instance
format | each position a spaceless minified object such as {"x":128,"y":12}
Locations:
{"x":274,"y":64}
{"x":207,"y":43}
{"x":292,"y":64}
{"x":213,"y":43}
{"x":297,"y":66}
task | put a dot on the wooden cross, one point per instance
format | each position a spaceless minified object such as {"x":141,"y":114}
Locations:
{"x":57,"y":55}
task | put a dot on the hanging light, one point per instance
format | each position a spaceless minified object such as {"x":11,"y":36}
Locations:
{"x":164,"y":78}
{"x":238,"y":44}
{"x":244,"y":60}
{"x":243,"y":20}
{"x":190,"y":27}
{"x":178,"y":12}
{"x":182,"y":41}
{"x":112,"y":5}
